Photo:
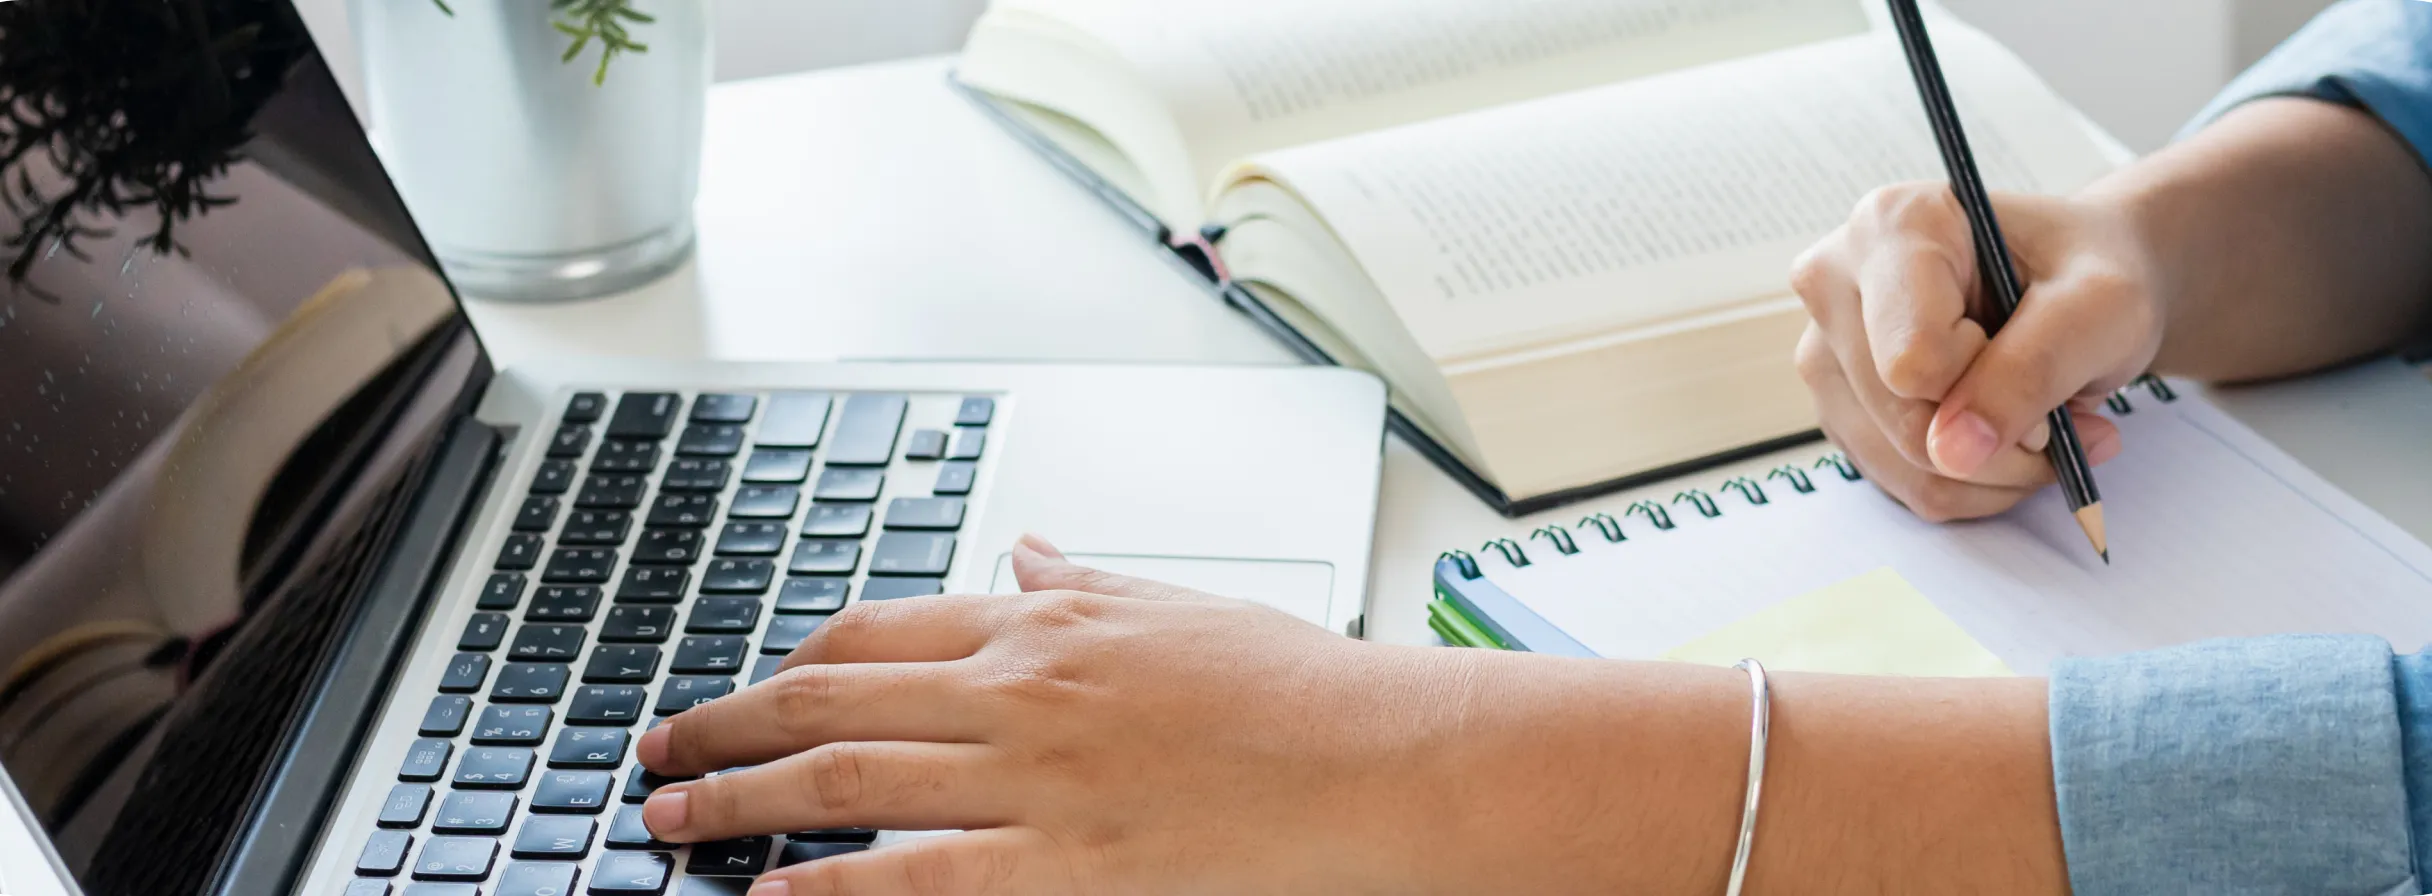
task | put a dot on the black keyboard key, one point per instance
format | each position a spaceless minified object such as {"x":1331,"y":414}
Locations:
{"x":632,"y":873}
{"x":893,"y":588}
{"x":975,"y":411}
{"x":765,"y":502}
{"x":579,"y":566}
{"x":564,"y":603}
{"x":530,"y":683}
{"x":729,"y":858}
{"x":715,"y":407}
{"x":794,"y":420}
{"x":466,"y":859}
{"x":751,"y":539}
{"x":570,"y":441}
{"x":797,"y":852}
{"x":955,"y":478}
{"x":866,"y":428}
{"x":513,"y":726}
{"x":764,"y":668}
{"x":484,"y":632}
{"x":786,"y":633}
{"x":711,"y":440}
{"x":837,"y":521}
{"x":585,"y":407}
{"x":645,"y":415}
{"x":617,"y":705}
{"x":538,"y":514}
{"x":622,"y":664}
{"x":684,"y":511}
{"x":925,"y":444}
{"x":638,"y":625}
{"x":780,"y":465}
{"x":589,"y":748}
{"x":405,"y":805}
{"x":475,"y":812}
{"x":835,"y":835}
{"x":538,"y":878}
{"x":547,"y":644}
{"x":384,"y":854}
{"x":494,"y":768}
{"x":968,"y":443}
{"x":668,"y":547}
{"x":684,"y":692}
{"x":708,"y":655}
{"x":912,"y":554}
{"x":612,"y":491}
{"x":547,"y":837}
{"x":696,"y":474}
{"x":812,"y":595}
{"x":943,"y":514}
{"x":446,"y":716}
{"x":596,"y":528}
{"x":425,"y":761}
{"x":556,"y":477}
{"x":849,"y":484}
{"x":623,"y":456}
{"x":640,"y":783}
{"x":738,"y":575}
{"x":573,"y":792}
{"x":502,"y":592}
{"x":465,"y":674}
{"x":627,"y":831}
{"x":723,"y":616}
{"x":520,"y":552}
{"x":653,"y":585}
{"x":835,"y":558}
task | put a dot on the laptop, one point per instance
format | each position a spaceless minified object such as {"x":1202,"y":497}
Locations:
{"x":299,"y":595}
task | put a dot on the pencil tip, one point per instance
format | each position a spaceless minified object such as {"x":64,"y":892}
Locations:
{"x":2090,"y":518}
{"x":2106,"y":558}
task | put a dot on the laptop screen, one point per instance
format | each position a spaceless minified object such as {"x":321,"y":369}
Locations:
{"x":225,"y":358}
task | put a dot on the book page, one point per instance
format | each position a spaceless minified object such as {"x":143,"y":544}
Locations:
{"x":1625,"y":206}
{"x":1245,"y":76}
{"x":2215,"y":534}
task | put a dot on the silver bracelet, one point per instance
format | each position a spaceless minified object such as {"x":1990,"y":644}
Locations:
{"x":1760,"y":725}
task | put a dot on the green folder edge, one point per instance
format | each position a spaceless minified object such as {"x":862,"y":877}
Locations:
{"x":1455,"y":626}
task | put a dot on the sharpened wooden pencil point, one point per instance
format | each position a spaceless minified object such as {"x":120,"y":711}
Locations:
{"x":2090,"y":518}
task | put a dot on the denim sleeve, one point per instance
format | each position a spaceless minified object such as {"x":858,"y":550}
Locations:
{"x":2273,"y":765}
{"x":2372,"y":54}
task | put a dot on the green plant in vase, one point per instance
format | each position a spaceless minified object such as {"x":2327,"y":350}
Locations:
{"x":584,"y":21}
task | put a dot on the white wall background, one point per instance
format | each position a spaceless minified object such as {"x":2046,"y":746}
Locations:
{"x":2138,"y":67}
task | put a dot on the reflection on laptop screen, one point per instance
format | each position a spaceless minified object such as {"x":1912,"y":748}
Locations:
{"x":225,"y":356}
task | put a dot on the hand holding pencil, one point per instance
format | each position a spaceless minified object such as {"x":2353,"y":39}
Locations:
{"x":1947,"y":414}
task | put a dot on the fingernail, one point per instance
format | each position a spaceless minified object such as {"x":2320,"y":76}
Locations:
{"x":666,"y":811}
{"x":2037,"y":438}
{"x":1041,"y":545}
{"x":1961,"y":446}
{"x":652,"y":751}
{"x":771,"y":888}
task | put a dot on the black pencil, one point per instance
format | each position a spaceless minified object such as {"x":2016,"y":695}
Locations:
{"x":2067,"y":453}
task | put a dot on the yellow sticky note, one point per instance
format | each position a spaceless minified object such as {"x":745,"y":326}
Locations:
{"x":1874,"y":624}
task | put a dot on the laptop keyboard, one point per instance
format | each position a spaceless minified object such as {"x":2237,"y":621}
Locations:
{"x":667,"y":552}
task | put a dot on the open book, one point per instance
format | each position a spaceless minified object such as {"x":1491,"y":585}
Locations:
{"x":1560,"y":229}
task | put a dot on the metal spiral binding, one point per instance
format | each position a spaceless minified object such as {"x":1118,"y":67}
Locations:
{"x":1705,"y":504}
{"x":1748,"y":489}
{"x":2159,"y":388}
{"x":1461,"y":560}
{"x":1607,"y":525}
{"x":1797,"y":478}
{"x":1511,"y":550}
{"x":1655,"y":514}
{"x":1840,"y":462}
{"x":1561,"y":537}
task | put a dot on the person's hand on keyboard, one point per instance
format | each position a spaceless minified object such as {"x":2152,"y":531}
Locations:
{"x":1100,"y":734}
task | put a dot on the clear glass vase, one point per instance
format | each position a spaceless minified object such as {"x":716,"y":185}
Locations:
{"x":531,"y":182}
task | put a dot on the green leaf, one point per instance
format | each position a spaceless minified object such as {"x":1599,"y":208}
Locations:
{"x":443,"y":7}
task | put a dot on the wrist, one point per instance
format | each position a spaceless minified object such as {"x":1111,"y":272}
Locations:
{"x":2132,"y":219}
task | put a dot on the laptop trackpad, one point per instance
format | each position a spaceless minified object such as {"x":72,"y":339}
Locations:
{"x":1301,"y":588}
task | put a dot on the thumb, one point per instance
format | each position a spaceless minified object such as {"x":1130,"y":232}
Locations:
{"x":1038,"y":566}
{"x":2051,"y":351}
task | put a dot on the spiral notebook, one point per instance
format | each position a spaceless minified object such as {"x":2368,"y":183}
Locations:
{"x":2215,"y":533}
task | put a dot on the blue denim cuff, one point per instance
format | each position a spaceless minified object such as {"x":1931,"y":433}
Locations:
{"x":2271,"y":765}
{"x":2375,"y":55}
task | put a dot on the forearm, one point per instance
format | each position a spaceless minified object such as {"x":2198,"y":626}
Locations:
{"x":1628,"y":777}
{"x":2290,"y":235}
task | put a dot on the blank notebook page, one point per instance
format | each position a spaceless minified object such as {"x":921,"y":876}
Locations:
{"x":2214,"y":534}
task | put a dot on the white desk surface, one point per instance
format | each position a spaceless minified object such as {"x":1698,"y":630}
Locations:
{"x":872,"y":213}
